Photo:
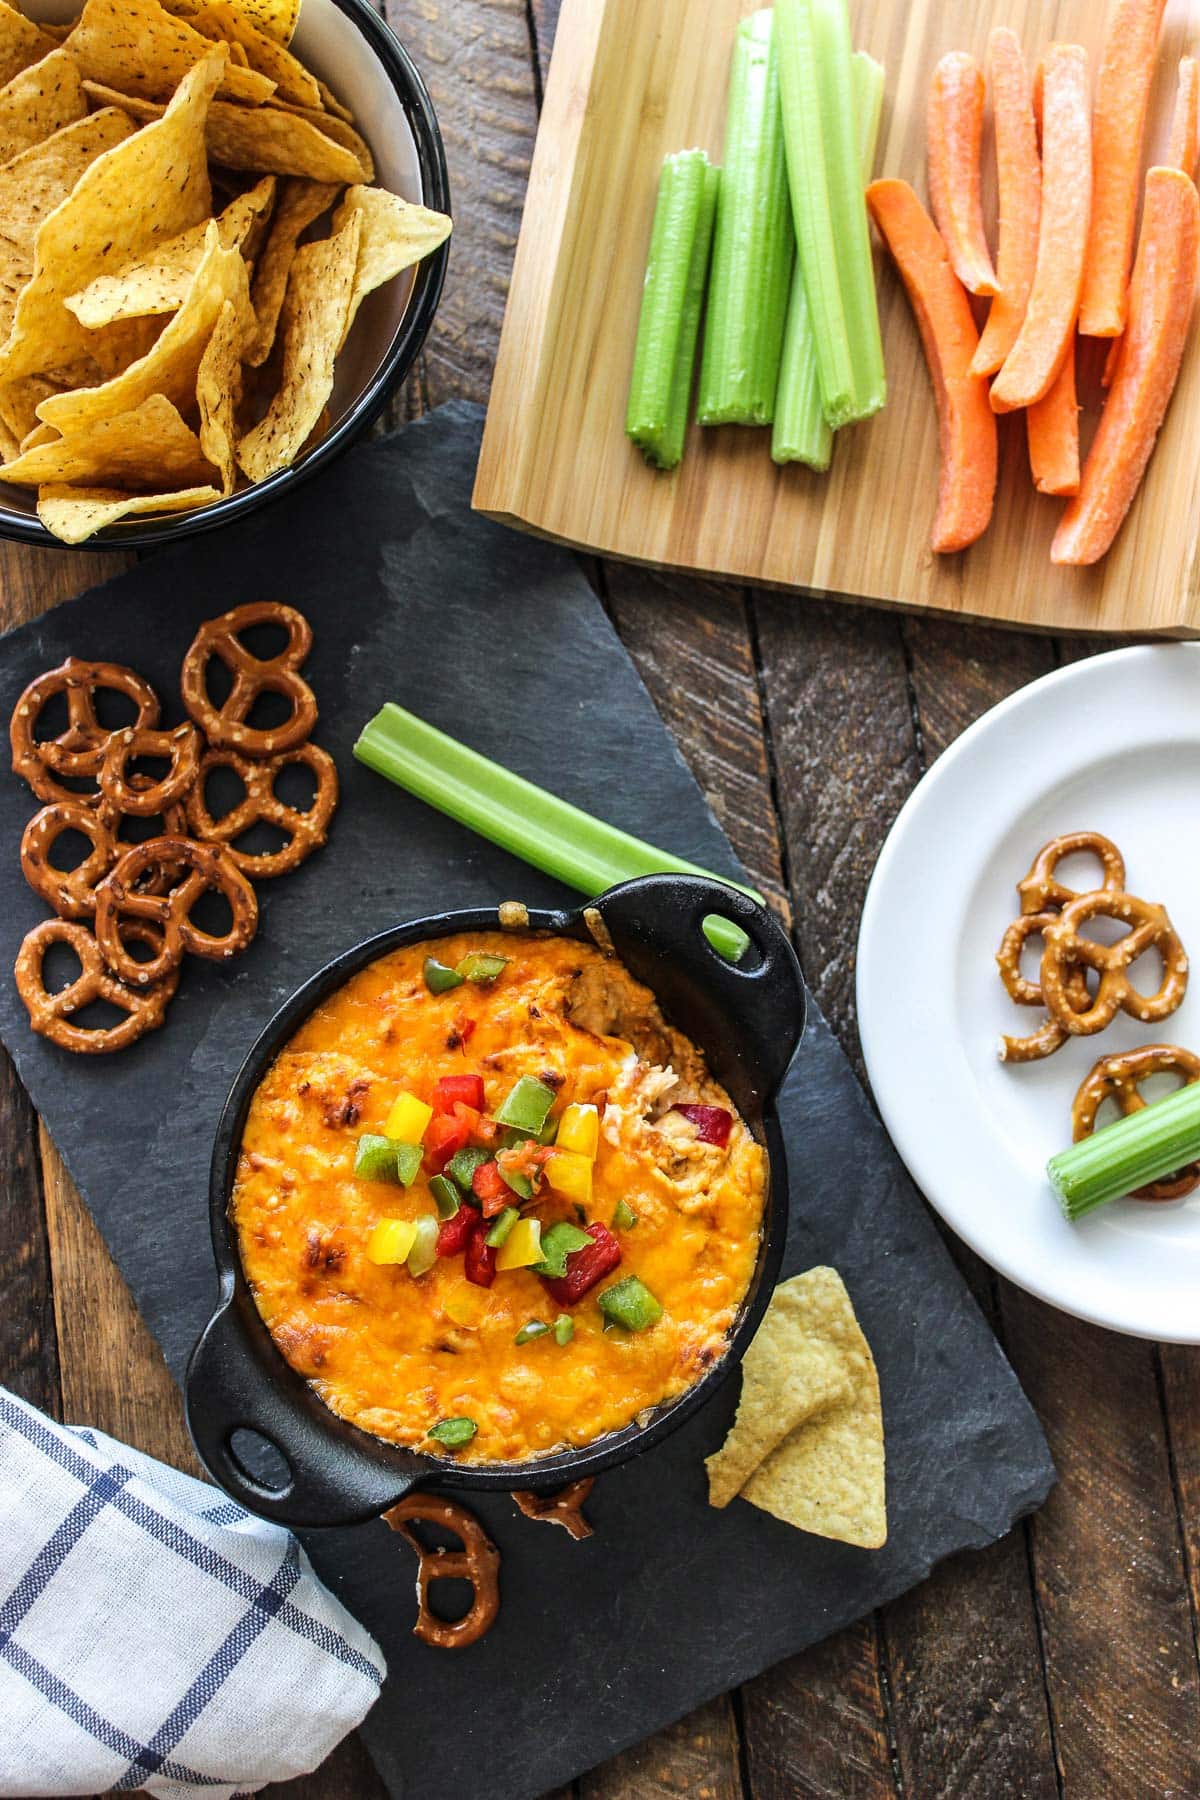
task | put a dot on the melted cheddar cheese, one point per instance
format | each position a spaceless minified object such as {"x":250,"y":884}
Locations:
{"x":381,"y":1347}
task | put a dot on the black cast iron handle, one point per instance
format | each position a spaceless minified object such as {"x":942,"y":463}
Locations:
{"x":750,"y":1014}
{"x":228,"y":1391}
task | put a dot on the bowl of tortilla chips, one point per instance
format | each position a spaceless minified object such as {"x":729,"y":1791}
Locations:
{"x":223,"y":237}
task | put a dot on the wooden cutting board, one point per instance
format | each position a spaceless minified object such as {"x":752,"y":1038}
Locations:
{"x":634,"y":79}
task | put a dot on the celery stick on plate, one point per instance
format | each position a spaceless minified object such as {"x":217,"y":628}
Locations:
{"x":1136,"y":1150}
{"x":672,"y":299}
{"x":754,"y":245}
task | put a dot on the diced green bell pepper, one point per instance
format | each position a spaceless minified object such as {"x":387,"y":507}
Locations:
{"x":505,"y":1221}
{"x":624,"y":1218}
{"x":461,"y":1168}
{"x":479,"y":967}
{"x":454,"y":1433}
{"x":520,"y":1184}
{"x":534,"y":1329}
{"x":409,"y":1158}
{"x":375,"y":1159}
{"x":558,"y":1243}
{"x":630,"y":1303}
{"x":446,"y":1196}
{"x":423,"y":1254}
{"x":526,"y":1106}
{"x":439,"y":979}
{"x":564,"y":1328}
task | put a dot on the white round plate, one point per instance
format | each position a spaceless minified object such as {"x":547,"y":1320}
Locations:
{"x":1111,"y":744}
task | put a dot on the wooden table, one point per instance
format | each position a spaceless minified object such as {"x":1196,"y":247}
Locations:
{"x":1061,"y":1661}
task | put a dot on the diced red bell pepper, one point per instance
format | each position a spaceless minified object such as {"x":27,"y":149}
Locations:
{"x":444,"y":1138}
{"x":453,"y":1089}
{"x":465,"y":1028}
{"x":713,"y":1123}
{"x":491,"y":1190}
{"x":585,"y":1267}
{"x":453,"y":1233}
{"x":481,"y":1256}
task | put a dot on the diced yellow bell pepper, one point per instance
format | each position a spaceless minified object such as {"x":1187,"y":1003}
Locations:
{"x":408,"y":1119}
{"x":467,"y":1304}
{"x":391,"y":1241}
{"x":570,"y":1175}
{"x":522,"y":1246}
{"x":579,"y":1130}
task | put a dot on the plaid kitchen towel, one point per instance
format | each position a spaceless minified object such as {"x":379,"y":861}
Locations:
{"x":152,"y":1634}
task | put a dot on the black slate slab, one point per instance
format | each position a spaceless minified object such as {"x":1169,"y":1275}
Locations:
{"x":498,"y":638}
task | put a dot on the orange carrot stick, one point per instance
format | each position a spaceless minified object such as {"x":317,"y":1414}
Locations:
{"x":966,"y":425}
{"x":1036,"y":357}
{"x":1122,"y":95}
{"x":1039,"y":89}
{"x":1184,"y":145}
{"x":1019,"y":170}
{"x":1160,"y":309}
{"x":1053,"y":427}
{"x":954,"y":125}
{"x":1111,"y":361}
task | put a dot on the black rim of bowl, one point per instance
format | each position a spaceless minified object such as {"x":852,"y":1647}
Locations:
{"x":396,"y":362}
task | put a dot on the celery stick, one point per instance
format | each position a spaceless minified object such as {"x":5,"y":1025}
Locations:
{"x":535,"y":825}
{"x":802,"y":433}
{"x":672,"y":296}
{"x":817,"y":87}
{"x":1136,"y":1150}
{"x":754,"y":246}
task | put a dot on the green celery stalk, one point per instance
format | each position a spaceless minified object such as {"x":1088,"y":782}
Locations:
{"x":754,"y":247}
{"x":537,"y":826}
{"x":1136,"y":1150}
{"x":817,"y":88}
{"x":672,"y":299}
{"x":802,"y":432}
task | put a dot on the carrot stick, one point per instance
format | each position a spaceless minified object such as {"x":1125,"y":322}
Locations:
{"x":966,"y":425}
{"x":1039,"y":89}
{"x":1053,"y":427}
{"x":1184,"y":145}
{"x":1019,"y":172}
{"x":1160,"y":309}
{"x":1111,"y":361}
{"x":1036,"y":357}
{"x":954,"y":124}
{"x":1122,"y":95}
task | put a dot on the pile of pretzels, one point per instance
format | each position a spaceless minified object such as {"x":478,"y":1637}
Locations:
{"x":125,"y":909}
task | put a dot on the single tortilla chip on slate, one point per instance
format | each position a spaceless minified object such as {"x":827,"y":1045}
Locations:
{"x":265,"y":140}
{"x":161,"y":282}
{"x":74,"y":514}
{"x":34,"y":184}
{"x":219,"y":392}
{"x":792,"y":1371}
{"x":144,"y":190}
{"x":828,"y":1476}
{"x":37,"y":103}
{"x":395,"y":234}
{"x":147,"y":448}
{"x":300,"y":203}
{"x":218,"y":19}
{"x":138,"y":48}
{"x":171,"y":364}
{"x":314,"y":314}
{"x":21,"y":43}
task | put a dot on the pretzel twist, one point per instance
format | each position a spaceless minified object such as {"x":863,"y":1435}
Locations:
{"x":1008,"y":960}
{"x":51,"y":1014}
{"x":563,"y":1508}
{"x":225,"y":725}
{"x":139,"y":796}
{"x":1040,"y":891}
{"x":306,"y":829}
{"x":79,"y":749}
{"x":194,"y":869}
{"x":1120,"y":1078}
{"x":1065,"y":949}
{"x":71,"y":892}
{"x":478,"y":1561}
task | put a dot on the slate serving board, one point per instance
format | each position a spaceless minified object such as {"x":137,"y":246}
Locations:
{"x":498,"y":638}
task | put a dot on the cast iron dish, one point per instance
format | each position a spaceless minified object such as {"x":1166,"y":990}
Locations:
{"x":347,"y":43}
{"x":748,"y":1020}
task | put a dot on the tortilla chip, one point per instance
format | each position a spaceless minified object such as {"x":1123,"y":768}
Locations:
{"x":791,"y":1372}
{"x":395,"y":234}
{"x":74,"y":514}
{"x":171,"y":365}
{"x":332,"y":104}
{"x":314,"y":314}
{"x":265,"y":140}
{"x":37,"y":103}
{"x":161,"y":282}
{"x":141,"y":192}
{"x":218,"y":392}
{"x":34,"y":184}
{"x":21,"y":43}
{"x":138,"y":48}
{"x":217,"y":19}
{"x":41,"y":434}
{"x":339,"y":130}
{"x":300,"y":203}
{"x":149,"y":447}
{"x":828,"y":1476}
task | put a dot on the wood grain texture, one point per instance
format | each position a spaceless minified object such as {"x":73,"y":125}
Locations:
{"x":698,"y":1757}
{"x":28,"y":1344}
{"x":816,"y":1726}
{"x":632,"y":82}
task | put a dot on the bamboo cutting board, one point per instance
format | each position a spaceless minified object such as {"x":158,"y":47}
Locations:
{"x":632,"y":80}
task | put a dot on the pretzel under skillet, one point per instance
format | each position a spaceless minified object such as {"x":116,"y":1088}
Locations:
{"x":477,"y":1561}
{"x":52,"y":1016}
{"x":194,"y":869}
{"x":78,"y":751}
{"x":225,"y":724}
{"x":306,"y":829}
{"x":563,"y":1508}
{"x":1120,"y":1078}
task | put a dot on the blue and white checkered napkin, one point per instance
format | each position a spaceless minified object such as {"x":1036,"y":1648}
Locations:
{"x":152,"y":1634}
